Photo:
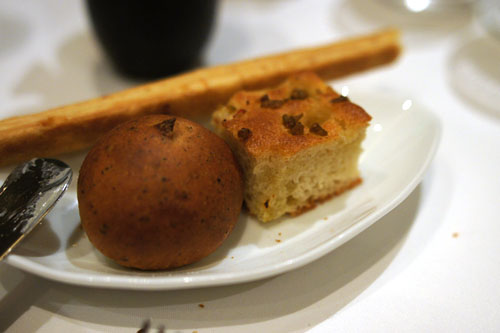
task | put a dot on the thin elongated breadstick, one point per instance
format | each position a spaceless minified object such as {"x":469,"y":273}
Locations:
{"x":197,"y":93}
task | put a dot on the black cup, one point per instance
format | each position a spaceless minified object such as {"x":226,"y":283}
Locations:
{"x":152,"y":38}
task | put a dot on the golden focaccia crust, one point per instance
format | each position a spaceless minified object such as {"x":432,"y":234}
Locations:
{"x":298,"y":143}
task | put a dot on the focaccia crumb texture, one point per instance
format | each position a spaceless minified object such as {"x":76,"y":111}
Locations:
{"x":298,"y":144}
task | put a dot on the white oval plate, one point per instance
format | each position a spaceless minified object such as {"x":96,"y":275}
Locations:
{"x":399,"y":146}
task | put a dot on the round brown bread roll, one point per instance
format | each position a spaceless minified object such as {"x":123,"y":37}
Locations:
{"x":159,"y":192}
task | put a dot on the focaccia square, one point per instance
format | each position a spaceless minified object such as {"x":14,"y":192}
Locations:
{"x":298,"y":144}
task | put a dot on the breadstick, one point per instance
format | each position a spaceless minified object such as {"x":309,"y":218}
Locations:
{"x":193,"y":94}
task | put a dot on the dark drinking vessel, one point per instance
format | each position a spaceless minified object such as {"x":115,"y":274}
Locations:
{"x":152,"y":38}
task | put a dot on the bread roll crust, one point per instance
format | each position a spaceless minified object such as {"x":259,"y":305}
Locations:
{"x":154,"y":199}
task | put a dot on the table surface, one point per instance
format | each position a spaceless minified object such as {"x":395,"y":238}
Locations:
{"x":432,"y":264}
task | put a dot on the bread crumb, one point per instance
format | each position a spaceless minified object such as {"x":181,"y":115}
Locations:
{"x":455,"y":235}
{"x":278,"y":240}
{"x":145,"y":326}
{"x":279,"y":233}
{"x":201,"y":305}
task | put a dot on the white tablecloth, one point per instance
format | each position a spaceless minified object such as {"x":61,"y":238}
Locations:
{"x":431,"y":265}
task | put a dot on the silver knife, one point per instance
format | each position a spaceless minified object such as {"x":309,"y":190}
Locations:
{"x":27,"y":195}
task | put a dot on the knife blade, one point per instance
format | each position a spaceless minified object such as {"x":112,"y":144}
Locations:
{"x":30,"y":191}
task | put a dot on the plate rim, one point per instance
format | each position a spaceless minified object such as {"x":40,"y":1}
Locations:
{"x":109,"y":281}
